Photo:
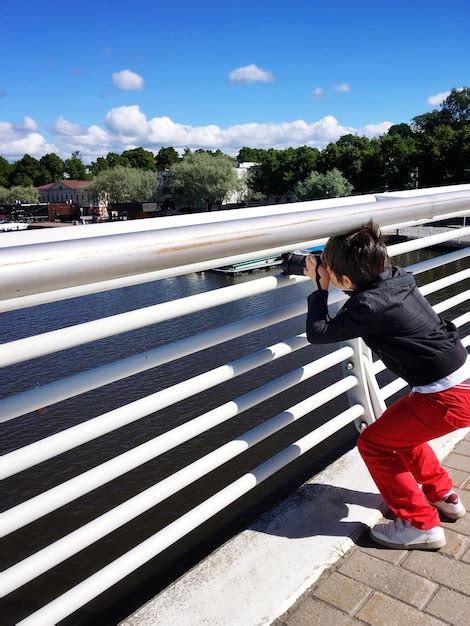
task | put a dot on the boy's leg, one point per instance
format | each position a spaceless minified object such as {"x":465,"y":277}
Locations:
{"x":396,"y":444}
{"x":426,"y":469}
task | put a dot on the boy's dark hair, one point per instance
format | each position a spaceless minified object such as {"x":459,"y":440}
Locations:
{"x":360,"y":255}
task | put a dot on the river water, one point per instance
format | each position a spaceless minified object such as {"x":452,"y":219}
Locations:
{"x":137,"y":588}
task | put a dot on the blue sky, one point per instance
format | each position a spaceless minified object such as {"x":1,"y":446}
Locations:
{"x":372,"y":63}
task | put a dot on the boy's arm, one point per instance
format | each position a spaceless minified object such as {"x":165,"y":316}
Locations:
{"x":354,"y":320}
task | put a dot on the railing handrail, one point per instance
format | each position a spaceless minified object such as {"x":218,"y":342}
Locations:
{"x":114,"y":256}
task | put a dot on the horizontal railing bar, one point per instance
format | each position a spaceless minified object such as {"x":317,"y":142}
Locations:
{"x":462,"y":319}
{"x":170,"y":221}
{"x":428,"y":241}
{"x":113,"y":256}
{"x":95,"y":477}
{"x":108,"y":228}
{"x":442,"y":283}
{"x":51,"y":393}
{"x":137,"y":279}
{"x":53,"y":445}
{"x":394,"y":387}
{"x":105,"y":578}
{"x":62,"y":549}
{"x":438,"y":261}
{"x":449,"y":303}
{"x":35,"y":346}
{"x":52,"y":499}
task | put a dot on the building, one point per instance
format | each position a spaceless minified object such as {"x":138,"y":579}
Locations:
{"x":66,"y":192}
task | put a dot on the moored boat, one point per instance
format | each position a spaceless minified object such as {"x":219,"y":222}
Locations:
{"x":251,"y":264}
{"x":9,"y":226}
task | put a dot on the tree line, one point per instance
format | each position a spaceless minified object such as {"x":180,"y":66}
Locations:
{"x":433,"y":150}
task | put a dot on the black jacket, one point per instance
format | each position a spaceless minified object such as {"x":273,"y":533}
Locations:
{"x":397,"y":323}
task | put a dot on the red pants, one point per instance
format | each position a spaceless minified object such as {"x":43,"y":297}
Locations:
{"x":395,"y":451}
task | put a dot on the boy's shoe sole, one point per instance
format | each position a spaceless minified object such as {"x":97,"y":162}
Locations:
{"x":452,"y":516}
{"x":402,"y":535}
{"x":429,"y":545}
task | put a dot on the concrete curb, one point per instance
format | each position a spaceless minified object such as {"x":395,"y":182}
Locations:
{"x":259,"y":574}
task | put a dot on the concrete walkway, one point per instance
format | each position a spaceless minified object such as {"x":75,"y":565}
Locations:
{"x":382,"y":587}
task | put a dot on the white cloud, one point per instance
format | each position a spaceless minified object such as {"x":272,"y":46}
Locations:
{"x":372,"y":130}
{"x":318,"y":92}
{"x":19,"y":139}
{"x":28,"y":125}
{"x":343,"y":88}
{"x":127,"y":120}
{"x":251,"y":74}
{"x":128,"y":127}
{"x":438,"y":98}
{"x":63,"y":127}
{"x":127,"y":80}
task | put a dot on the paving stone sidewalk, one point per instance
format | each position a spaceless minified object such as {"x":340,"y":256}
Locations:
{"x":373,"y":585}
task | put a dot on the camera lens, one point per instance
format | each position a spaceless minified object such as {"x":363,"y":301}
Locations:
{"x":293,"y":263}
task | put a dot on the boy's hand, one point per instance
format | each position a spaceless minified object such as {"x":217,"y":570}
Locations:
{"x":310,"y":271}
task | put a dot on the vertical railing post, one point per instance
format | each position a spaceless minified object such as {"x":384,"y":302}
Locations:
{"x":367,"y":392}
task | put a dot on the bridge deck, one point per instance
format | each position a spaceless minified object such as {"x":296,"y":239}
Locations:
{"x":388,"y":587}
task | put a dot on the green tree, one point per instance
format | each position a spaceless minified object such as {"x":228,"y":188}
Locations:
{"x":5,"y":172}
{"x":403,"y":130}
{"x":53,"y":168}
{"x":441,"y":156}
{"x":398,"y":159}
{"x":139,"y":158}
{"x":100,"y":165}
{"x":349,"y":154}
{"x":112,"y":159}
{"x":75,"y":168}
{"x":250,"y":155}
{"x":427,"y":122}
{"x":457,"y":105}
{"x":26,"y":172}
{"x":28,"y":195}
{"x":279,"y":171}
{"x":124,"y":184}
{"x":462,"y":155}
{"x":166,"y":157}
{"x":332,"y":184}
{"x":200,"y":176}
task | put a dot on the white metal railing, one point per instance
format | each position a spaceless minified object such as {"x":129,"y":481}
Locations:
{"x":126,"y":254}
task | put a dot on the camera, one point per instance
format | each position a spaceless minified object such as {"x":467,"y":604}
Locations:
{"x":295,"y":263}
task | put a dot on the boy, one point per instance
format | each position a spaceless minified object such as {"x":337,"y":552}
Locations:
{"x":387,"y":310}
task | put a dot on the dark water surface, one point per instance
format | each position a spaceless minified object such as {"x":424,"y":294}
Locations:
{"x":137,"y":588}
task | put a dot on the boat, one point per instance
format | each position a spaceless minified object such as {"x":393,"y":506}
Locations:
{"x":251,"y":264}
{"x":9,"y":226}
{"x":261,"y":263}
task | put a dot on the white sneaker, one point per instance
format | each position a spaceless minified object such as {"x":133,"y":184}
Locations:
{"x":451,"y":506}
{"x":401,"y":535}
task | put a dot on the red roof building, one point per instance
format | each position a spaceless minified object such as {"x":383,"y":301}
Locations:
{"x":66,"y":191}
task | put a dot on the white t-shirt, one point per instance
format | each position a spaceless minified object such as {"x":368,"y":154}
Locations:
{"x":457,"y":377}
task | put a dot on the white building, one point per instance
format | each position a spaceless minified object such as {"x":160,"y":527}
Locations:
{"x":66,"y":192}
